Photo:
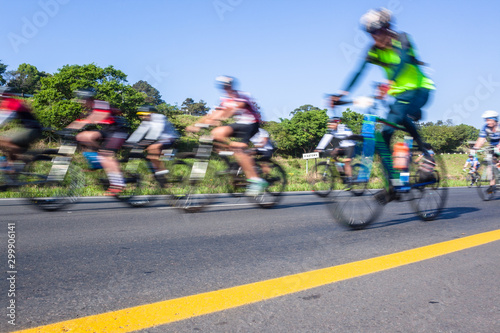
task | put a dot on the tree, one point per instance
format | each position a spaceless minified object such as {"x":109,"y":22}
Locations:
{"x":302,"y":132}
{"x":3,"y":68}
{"x":56,"y":107}
{"x":26,"y":79}
{"x":353,"y":120}
{"x":153,"y":96}
{"x":168,"y":109}
{"x":195,"y":109}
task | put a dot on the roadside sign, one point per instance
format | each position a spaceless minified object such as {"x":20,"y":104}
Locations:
{"x":310,"y":156}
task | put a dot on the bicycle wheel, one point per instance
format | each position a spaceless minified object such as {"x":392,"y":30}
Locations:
{"x":483,"y":185}
{"x":429,"y":193}
{"x":50,"y":185}
{"x":140,"y":185}
{"x":275,"y":177}
{"x":470,"y":180}
{"x":355,"y":205}
{"x":234,"y":176}
{"x":321,"y":179}
{"x":202,"y":178}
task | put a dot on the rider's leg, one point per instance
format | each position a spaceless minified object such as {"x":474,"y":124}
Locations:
{"x":89,"y":138}
{"x":406,"y":109}
{"x":246,"y":161}
{"x":108,"y":160}
{"x":153,"y":154}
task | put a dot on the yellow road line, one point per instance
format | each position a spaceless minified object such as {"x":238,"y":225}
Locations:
{"x":160,"y":313}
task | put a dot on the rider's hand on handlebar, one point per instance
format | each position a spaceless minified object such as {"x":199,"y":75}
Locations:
{"x":337,"y":97}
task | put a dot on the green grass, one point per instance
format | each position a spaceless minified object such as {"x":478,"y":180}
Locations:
{"x":295,"y":170}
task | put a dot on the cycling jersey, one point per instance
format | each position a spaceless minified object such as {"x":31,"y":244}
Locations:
{"x":340,"y":134}
{"x":158,"y":128}
{"x":400,"y":65}
{"x":258,"y":138}
{"x":487,"y":132}
{"x":246,"y":115}
{"x":473,"y":161}
{"x":12,"y":108}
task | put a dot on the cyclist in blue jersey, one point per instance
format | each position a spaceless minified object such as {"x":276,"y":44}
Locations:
{"x":474,"y":163}
{"x":395,"y":53}
{"x":490,"y":130}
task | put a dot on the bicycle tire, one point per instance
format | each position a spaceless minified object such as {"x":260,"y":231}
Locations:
{"x":236,"y":179}
{"x":276,"y":178}
{"x":321,"y":179}
{"x":188,"y":197}
{"x":429,"y":199}
{"x":469,"y":180}
{"x":45,"y":193}
{"x":356,"y":209}
{"x":140,"y":184}
{"x":482,"y":186}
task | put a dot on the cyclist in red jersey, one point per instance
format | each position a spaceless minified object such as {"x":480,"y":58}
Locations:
{"x":12,"y":109}
{"x":106,"y":141}
{"x":239,"y":106}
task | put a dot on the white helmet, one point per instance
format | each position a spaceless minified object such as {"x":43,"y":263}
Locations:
{"x":376,"y":19}
{"x":490,"y":114}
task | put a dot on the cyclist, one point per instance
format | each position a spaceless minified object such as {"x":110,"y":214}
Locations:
{"x":490,"y":130}
{"x":263,"y":144}
{"x":474,"y":163}
{"x":339,"y":132}
{"x":239,"y":106}
{"x":106,"y":141}
{"x":18,"y":142}
{"x":155,"y":133}
{"x":409,"y":86}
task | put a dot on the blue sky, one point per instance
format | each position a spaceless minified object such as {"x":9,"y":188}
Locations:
{"x":285,"y":53}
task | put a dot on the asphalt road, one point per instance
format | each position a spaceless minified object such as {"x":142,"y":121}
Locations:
{"x":99,"y":256}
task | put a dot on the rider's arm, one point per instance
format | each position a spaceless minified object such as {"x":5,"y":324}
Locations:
{"x":140,"y":132}
{"x":355,"y":77}
{"x":479,"y":143}
{"x":325,"y":141}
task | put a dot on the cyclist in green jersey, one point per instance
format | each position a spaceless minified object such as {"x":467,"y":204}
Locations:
{"x":394,"y":52}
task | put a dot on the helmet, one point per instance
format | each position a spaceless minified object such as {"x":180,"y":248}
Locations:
{"x":224,"y":81}
{"x":376,"y":19}
{"x":86,"y":93}
{"x":146,"y":110}
{"x":490,"y":114}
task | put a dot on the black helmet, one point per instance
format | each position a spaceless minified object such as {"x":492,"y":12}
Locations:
{"x":225,"y":81}
{"x":146,"y":110}
{"x":86,"y":93}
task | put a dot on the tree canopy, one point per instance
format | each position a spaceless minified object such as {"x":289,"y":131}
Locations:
{"x":26,"y":79}
{"x":152,"y":95}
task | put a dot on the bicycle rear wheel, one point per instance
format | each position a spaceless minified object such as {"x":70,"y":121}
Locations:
{"x":50,"y":186}
{"x":275,"y":177}
{"x":429,"y":191}
{"x":140,"y":185}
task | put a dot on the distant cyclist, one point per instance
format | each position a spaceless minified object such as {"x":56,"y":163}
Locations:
{"x":19,"y":141}
{"x":394,"y":52}
{"x":237,"y":105}
{"x":473,"y":162}
{"x":490,"y":130}
{"x":106,"y":141}
{"x":263,"y":144}
{"x":155,"y":133}
{"x":337,"y":134}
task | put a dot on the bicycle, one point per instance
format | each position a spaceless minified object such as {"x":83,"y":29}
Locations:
{"x":330,"y":175}
{"x":472,"y":177}
{"x":490,"y":171}
{"x":47,"y":178}
{"x":425,"y":189}
{"x":213,"y":169}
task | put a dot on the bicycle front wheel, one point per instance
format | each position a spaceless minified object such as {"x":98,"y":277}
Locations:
{"x":430,"y":191}
{"x":321,"y":179}
{"x":483,"y":184}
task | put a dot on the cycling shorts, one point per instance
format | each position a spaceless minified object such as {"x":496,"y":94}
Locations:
{"x":244,"y":131}
{"x":113,"y":140}
{"x":25,"y":137}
